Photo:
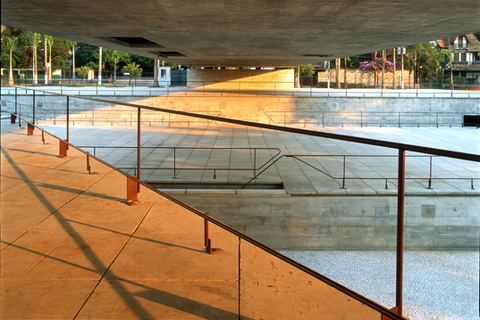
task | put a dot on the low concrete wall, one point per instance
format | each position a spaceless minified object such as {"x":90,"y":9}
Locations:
{"x":356,"y":222}
{"x":303,"y":111}
{"x":241,"y":79}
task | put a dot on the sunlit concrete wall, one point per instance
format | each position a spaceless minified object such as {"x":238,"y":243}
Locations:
{"x":240,"y":79}
{"x":346,"y":222}
{"x":303,"y":111}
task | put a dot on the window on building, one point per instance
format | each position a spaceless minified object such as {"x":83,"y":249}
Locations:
{"x":461,"y":42}
{"x":460,"y":56}
{"x":475,"y":56}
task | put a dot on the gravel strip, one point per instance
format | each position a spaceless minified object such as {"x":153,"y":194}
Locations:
{"x":437,"y":284}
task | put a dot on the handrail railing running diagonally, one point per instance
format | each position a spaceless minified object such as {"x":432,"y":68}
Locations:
{"x":373,"y":305}
{"x":336,"y":136}
{"x":401,"y":148}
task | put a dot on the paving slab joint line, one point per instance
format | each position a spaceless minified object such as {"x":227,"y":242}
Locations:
{"x":56,"y":210}
{"x":178,"y":280}
{"x":113,"y":260}
{"x":45,"y":257}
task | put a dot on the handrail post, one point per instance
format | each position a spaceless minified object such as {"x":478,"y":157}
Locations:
{"x":174,"y":162}
{"x":430,"y":176}
{"x":254,"y":162}
{"x":13,"y":117}
{"x":343,"y":179}
{"x":88,"y":163}
{"x":400,"y":229}
{"x":208,"y":241}
{"x":33,"y":107}
{"x":68,"y":119}
{"x":138,"y":146}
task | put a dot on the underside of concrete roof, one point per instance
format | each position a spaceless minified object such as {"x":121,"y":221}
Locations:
{"x":245,"y":33}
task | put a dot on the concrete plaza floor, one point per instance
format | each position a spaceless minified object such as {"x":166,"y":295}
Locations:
{"x":71,"y":248}
{"x":65,"y":225}
{"x":317,"y":169}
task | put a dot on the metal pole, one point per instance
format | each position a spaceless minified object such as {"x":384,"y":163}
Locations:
{"x":254,"y":162}
{"x":138,"y":146}
{"x":400,"y":229}
{"x":33,"y":107}
{"x":68,"y":118}
{"x":174,"y":162}
{"x":16,"y":113}
{"x":343,"y":180}
{"x":430,"y":178}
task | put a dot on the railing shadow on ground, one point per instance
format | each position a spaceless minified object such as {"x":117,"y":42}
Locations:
{"x":272,"y":254}
{"x":249,"y":268}
{"x":402,"y":148}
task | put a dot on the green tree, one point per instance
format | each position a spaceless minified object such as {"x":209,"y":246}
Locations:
{"x":113,"y":57}
{"x":134,"y":71}
{"x":34,"y":39}
{"x":423,"y":59}
{"x":307,"y":70}
{"x":143,"y":62}
{"x":50,"y":41}
{"x":85,"y":54}
{"x":449,"y":55}
{"x":83,"y":72}
{"x":11,"y":45}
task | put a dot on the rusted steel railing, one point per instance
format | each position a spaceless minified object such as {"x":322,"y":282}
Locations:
{"x":401,"y":147}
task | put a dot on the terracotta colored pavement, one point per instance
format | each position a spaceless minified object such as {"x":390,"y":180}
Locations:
{"x":72,"y":248}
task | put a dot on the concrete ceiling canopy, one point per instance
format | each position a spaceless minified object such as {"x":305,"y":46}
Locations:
{"x":279,"y":33}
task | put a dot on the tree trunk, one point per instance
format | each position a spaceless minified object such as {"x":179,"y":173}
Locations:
{"x":35,"y":71}
{"x":451,"y":74}
{"x":50,"y":64}
{"x":100,"y":66}
{"x":115,"y":72}
{"x":383,"y":69}
{"x":337,"y":72}
{"x":155,"y":73}
{"x":328,"y":75}
{"x":74,"y":76}
{"x":394,"y":69}
{"x":46,"y":61}
{"x":10,"y":72}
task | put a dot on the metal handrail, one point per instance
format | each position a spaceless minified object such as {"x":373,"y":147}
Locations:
{"x":214,"y":169}
{"x":249,"y":87}
{"x":344,"y":177}
{"x":402,"y":148}
{"x":336,"y":136}
{"x":370,"y":303}
{"x":361,"y":118}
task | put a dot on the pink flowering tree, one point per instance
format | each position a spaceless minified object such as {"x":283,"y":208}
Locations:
{"x":375,"y":66}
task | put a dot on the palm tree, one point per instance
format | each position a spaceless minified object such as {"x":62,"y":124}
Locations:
{"x":11,"y":45}
{"x":83,"y":71}
{"x":33,"y":38}
{"x":50,"y":45}
{"x":100,"y":62}
{"x":114,"y":57}
{"x":133,"y":70}
{"x":73,"y":44}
